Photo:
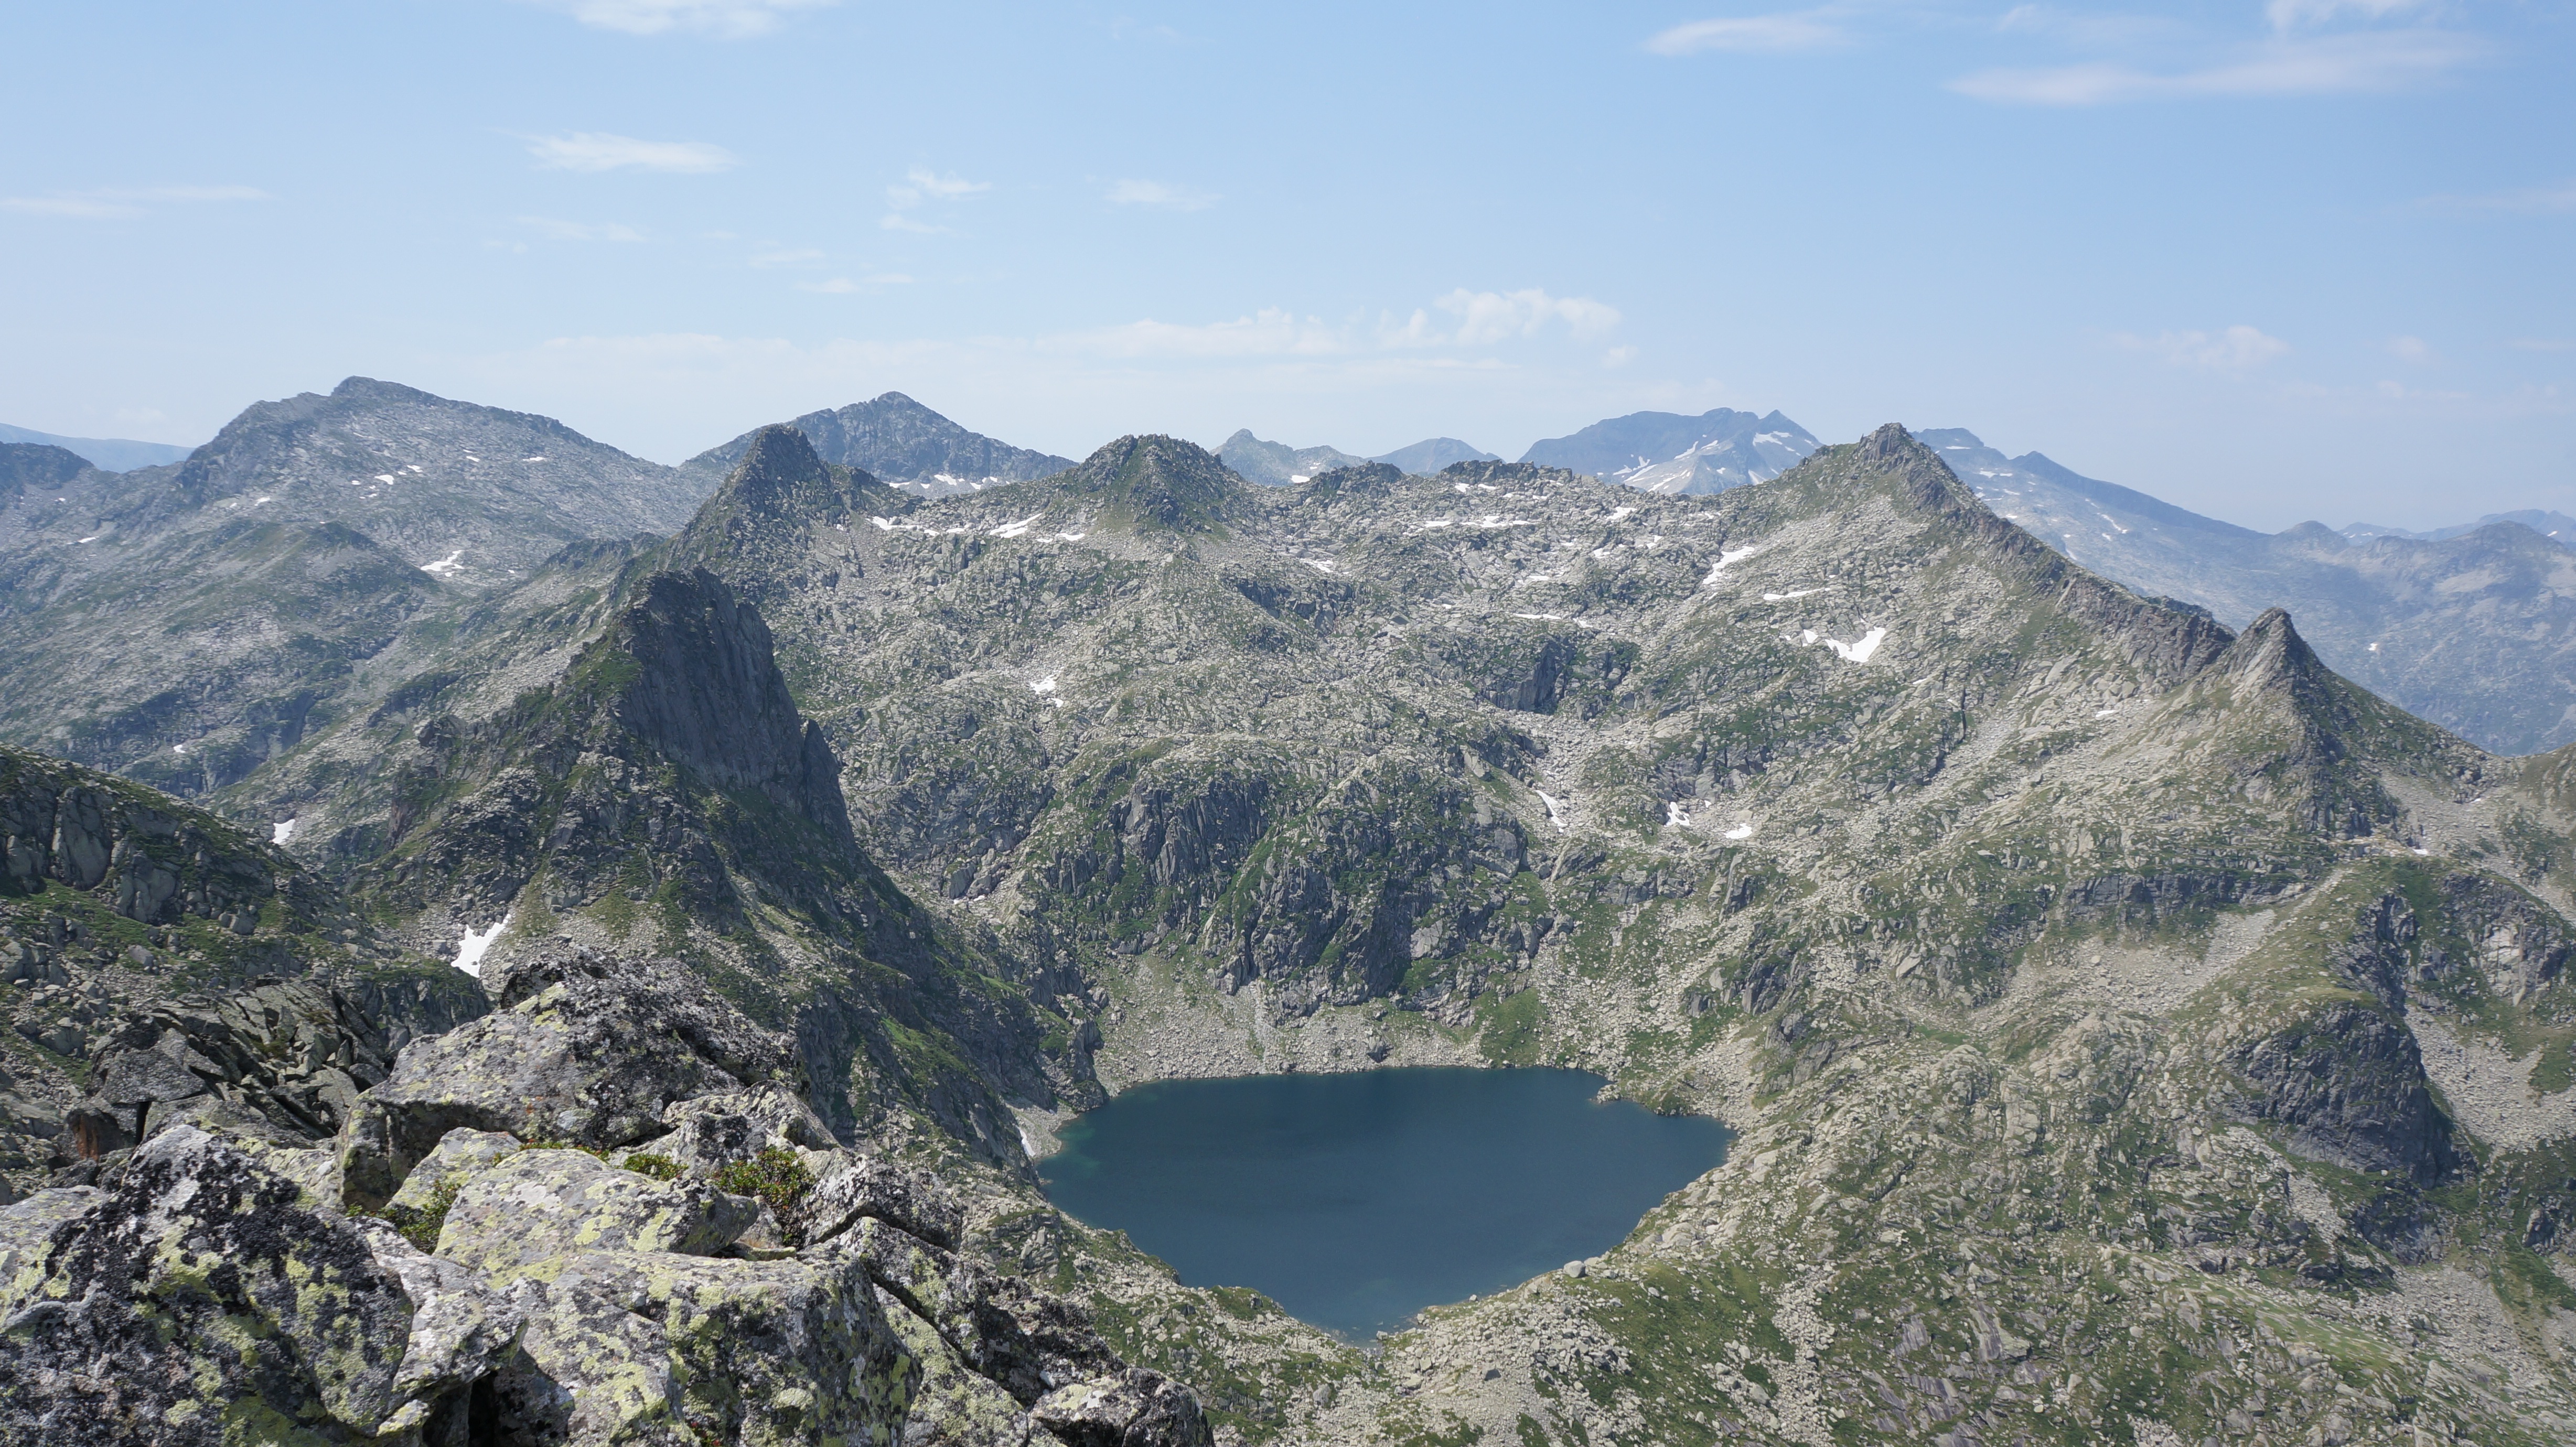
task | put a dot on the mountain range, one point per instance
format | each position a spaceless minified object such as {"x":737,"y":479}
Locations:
{"x":2135,"y":1028}
{"x":2470,"y":628}
{"x":900,"y":442}
{"x":108,"y":454}
{"x":1279,"y":465}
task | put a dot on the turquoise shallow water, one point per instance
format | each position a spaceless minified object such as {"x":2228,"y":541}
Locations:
{"x":1357,"y":1200}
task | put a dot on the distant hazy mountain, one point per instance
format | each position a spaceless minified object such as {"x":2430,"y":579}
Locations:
{"x":108,"y":454}
{"x":2473,"y":628}
{"x":1666,"y":452}
{"x":898,"y":441}
{"x":181,"y":623}
{"x":1432,"y":454}
{"x":1278,"y":464}
{"x":2548,"y":524}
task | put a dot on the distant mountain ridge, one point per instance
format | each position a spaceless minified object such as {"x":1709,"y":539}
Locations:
{"x":1674,"y":455}
{"x":1276,"y":464}
{"x":900,"y":442}
{"x":2474,"y":629}
{"x":107,"y":454}
{"x":2548,"y":524}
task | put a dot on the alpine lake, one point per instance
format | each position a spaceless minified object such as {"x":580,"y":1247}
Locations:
{"x":1356,"y":1200}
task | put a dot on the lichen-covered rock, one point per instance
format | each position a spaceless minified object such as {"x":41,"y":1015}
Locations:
{"x":1021,"y":1339}
{"x":1135,"y":1408}
{"x":544,"y":1203}
{"x":585,"y":1048}
{"x":197,"y":1302}
{"x":461,"y":1332}
{"x":716,"y":1130}
{"x":955,"y":1407}
{"x":460,"y":1153}
{"x":649,"y":1348}
{"x":854,"y":1187}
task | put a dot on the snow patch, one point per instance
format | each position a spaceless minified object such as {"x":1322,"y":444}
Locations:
{"x":1858,"y":652}
{"x":384,"y":477}
{"x":1320,"y":565}
{"x":445,"y":565}
{"x":470,"y":950}
{"x":1795,"y":593}
{"x":1726,"y":558}
{"x":1013,"y":530}
{"x":539,"y":458}
{"x":254,"y":502}
{"x":2104,"y":712}
{"x":1617,"y":513}
{"x":1043,"y":685}
{"x":1555,"y":810}
{"x":281,"y":831}
{"x":1675,"y":816}
{"x":1740,"y":831}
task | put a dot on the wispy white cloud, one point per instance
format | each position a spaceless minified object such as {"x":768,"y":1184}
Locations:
{"x":787,"y":256}
{"x":112,"y":203}
{"x":844,"y":286}
{"x":2366,"y":63}
{"x":2529,"y":200}
{"x":1787,"y":31}
{"x":732,"y":19}
{"x":919,"y":186}
{"x":1485,"y":317}
{"x":554,"y":230}
{"x":2289,"y":15}
{"x":2236,"y":349}
{"x":922,"y":184}
{"x":1270,"y":332}
{"x":1473,"y":320}
{"x":2410,"y":349}
{"x":602,"y":151}
{"x":2542,"y":344}
{"x":1157,"y":193}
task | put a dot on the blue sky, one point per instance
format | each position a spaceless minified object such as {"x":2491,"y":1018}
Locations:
{"x":2272,"y":262}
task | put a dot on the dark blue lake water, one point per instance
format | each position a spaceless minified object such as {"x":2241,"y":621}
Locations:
{"x":1357,"y":1200}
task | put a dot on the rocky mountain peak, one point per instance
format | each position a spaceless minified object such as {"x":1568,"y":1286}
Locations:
{"x":903,"y":444}
{"x":2271,"y":654}
{"x":705,"y":691}
{"x":28,"y":466}
{"x":782,"y":476}
{"x":1159,"y":483}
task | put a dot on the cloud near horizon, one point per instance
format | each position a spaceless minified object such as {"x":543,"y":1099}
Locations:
{"x":728,"y":19}
{"x":116,"y":203}
{"x":2235,"y":349}
{"x":2373,"y":62}
{"x":604,"y":151}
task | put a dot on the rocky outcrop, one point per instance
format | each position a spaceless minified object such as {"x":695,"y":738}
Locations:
{"x":535,"y":1204}
{"x":134,"y":1319}
{"x":2348,"y":1079}
{"x":582,"y":1048}
{"x":147,"y":858}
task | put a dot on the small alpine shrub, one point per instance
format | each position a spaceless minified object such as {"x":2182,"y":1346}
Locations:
{"x":660,"y":1168}
{"x":775,"y":1176}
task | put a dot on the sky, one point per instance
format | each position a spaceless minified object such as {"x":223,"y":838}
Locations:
{"x":2270,"y":261}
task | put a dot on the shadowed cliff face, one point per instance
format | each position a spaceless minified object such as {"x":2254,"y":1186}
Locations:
{"x":707,"y":696}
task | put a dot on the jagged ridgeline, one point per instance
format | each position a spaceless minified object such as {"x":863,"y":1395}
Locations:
{"x":2136,"y":1031}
